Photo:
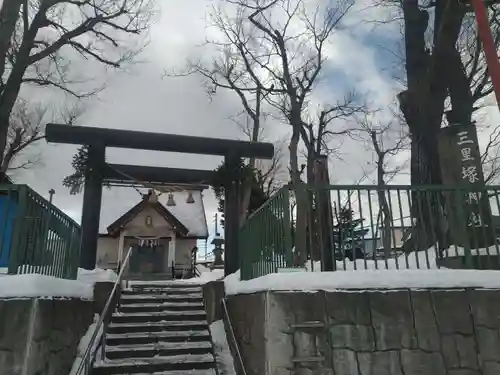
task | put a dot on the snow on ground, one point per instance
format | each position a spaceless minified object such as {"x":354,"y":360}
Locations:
{"x":96,"y":275}
{"x":364,"y":279}
{"x":223,"y":356}
{"x":414,"y":271}
{"x":34,"y":285}
{"x":84,"y":344}
{"x":415,"y":260}
{"x":205,"y":276}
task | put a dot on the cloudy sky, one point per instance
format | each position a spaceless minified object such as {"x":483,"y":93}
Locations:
{"x":141,"y":99}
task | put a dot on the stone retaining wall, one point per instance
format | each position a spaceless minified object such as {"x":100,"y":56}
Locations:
{"x":400,"y":332}
{"x":40,"y":336}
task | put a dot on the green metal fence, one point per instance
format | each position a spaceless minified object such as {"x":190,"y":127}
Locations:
{"x":266,"y":238}
{"x":353,"y":227}
{"x":35,"y":236}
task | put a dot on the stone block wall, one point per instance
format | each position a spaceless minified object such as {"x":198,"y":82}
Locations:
{"x":398,"y":332}
{"x":213,"y":293}
{"x":40,"y":336}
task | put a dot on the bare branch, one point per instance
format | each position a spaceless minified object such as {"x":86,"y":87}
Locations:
{"x":40,"y":40}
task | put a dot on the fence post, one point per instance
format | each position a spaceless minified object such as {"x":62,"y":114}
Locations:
{"x":231,"y":221}
{"x":324,"y":213}
{"x":17,"y":232}
{"x":287,"y":227}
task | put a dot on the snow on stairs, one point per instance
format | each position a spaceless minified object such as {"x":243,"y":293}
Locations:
{"x":160,"y":329}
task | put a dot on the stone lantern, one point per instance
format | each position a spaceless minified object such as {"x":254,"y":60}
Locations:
{"x":218,"y":251}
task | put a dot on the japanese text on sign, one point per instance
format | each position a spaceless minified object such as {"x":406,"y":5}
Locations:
{"x":466,"y":154}
{"x":475,"y":220}
{"x":473,"y":197}
{"x":463,"y":139}
{"x":470,"y":174}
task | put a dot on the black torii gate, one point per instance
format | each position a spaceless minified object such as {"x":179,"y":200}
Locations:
{"x":99,"y":172}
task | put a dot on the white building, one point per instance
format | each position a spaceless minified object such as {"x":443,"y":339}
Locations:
{"x":162,"y":230}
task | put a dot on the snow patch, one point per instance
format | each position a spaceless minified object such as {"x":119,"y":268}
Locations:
{"x":96,"y":275}
{"x":205,"y":277}
{"x":84,"y":344}
{"x":223,"y":356}
{"x":34,"y":285}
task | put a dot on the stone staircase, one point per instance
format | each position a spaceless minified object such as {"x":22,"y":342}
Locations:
{"x":159,"y":329}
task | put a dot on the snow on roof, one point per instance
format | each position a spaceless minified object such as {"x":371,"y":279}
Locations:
{"x":117,"y":201}
{"x":192,"y":215}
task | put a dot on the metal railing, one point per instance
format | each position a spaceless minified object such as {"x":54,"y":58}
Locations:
{"x":266,"y":238}
{"x":97,"y":343}
{"x":35,"y":236}
{"x":351,"y":227}
{"x":233,"y":337}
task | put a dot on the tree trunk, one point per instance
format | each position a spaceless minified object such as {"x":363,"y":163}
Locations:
{"x":10,"y":91}
{"x":247,"y":189}
{"x":9,"y":14}
{"x":384,"y":206}
{"x":300,"y":194}
{"x":422,"y":105}
{"x":314,"y":210}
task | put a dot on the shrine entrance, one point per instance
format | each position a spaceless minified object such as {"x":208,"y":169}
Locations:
{"x":148,"y":257}
{"x":99,"y":172}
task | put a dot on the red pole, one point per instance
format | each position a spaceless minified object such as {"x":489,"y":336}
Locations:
{"x":490,"y":51}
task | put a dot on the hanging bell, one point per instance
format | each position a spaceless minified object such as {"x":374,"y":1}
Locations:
{"x":190,"y":198}
{"x":170,"y":201}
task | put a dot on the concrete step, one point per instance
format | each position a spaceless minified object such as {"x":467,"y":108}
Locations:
{"x":160,"y":298}
{"x":141,"y":317}
{"x":138,"y":307}
{"x":139,"y":338}
{"x":188,"y":325}
{"x":164,"y":284}
{"x":154,"y":278}
{"x":160,"y":349}
{"x":181,"y":372}
{"x":155,"y":364}
{"x":161,"y":290}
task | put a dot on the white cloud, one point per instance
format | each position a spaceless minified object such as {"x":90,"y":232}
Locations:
{"x":140,"y":99}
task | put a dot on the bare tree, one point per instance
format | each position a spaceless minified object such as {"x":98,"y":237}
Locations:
{"x":231,"y":69}
{"x":446,"y":77}
{"x":331,"y":122}
{"x":286,"y":63}
{"x":40,"y":40}
{"x":26,"y":128}
{"x":490,"y":158}
{"x":387,"y":140}
{"x":273,"y":173}
{"x":441,"y":55}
